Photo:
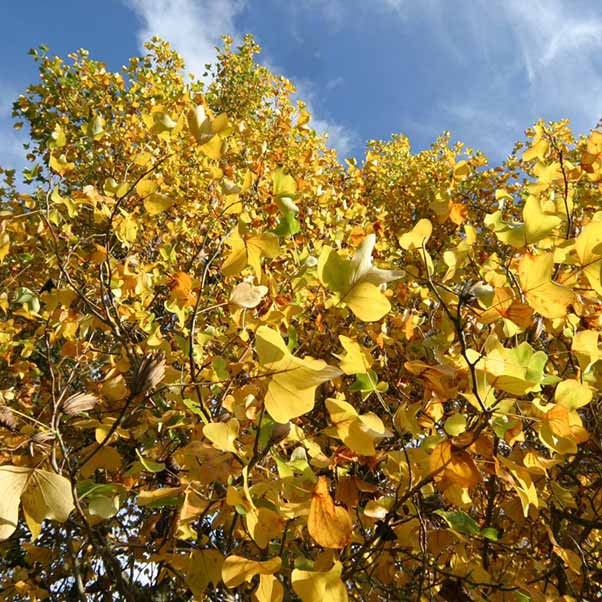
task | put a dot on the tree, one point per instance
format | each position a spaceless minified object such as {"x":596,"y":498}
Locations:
{"x":233,"y":368}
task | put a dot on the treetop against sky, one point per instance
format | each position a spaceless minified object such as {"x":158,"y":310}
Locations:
{"x":234,"y":366}
{"x":483,"y":70}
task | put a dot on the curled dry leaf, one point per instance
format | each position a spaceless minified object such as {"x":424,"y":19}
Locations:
{"x":248,"y":295}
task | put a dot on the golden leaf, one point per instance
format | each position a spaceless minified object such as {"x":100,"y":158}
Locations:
{"x":236,"y":569}
{"x":291,"y":388}
{"x":320,"y":586}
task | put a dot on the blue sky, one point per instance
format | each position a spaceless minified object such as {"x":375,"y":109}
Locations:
{"x":483,"y":69}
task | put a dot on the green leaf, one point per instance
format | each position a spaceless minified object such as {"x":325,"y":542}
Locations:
{"x":150,"y":465}
{"x":489,"y":533}
{"x":28,"y":298}
{"x":455,"y":425}
{"x":462,"y":523}
{"x":367,"y":384}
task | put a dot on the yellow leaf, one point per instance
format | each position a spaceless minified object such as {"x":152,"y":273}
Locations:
{"x":236,"y":569}
{"x":263,"y":525}
{"x":418,"y":236}
{"x":283,"y":184}
{"x":208,"y":131}
{"x":127,"y":228}
{"x":358,"y":432}
{"x":107,"y":458}
{"x":48,"y":495}
{"x":213,"y":148}
{"x":223,"y":434}
{"x":356,"y":281}
{"x":357,"y":359}
{"x":268,"y":590}
{"x":511,"y":233}
{"x":204,"y":568}
{"x":329,"y":525}
{"x":249,"y":251}
{"x":193,"y":505}
{"x":461,"y":170}
{"x":538,"y":224}
{"x":4,"y":245}
{"x":57,"y":137}
{"x":571,"y":559}
{"x":157,"y":202}
{"x":34,"y":526}
{"x":367,"y":302}
{"x":588,"y":246}
{"x":455,"y":425}
{"x":572,"y":395}
{"x":303,"y":120}
{"x":292,"y":387}
{"x":537,"y":150}
{"x":523,"y":484}
{"x":318,"y":586}
{"x":453,"y":467}
{"x":558,"y":419}
{"x":146,"y":498}
{"x":546,"y":297}
{"x":181,"y":285}
{"x":61,"y":165}
{"x":13,"y":480}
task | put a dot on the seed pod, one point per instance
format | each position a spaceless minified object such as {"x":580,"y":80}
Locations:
{"x":43,"y":437}
{"x":79,"y":403}
{"x":149,"y":373}
{"x":7,"y":418}
{"x":280,"y":432}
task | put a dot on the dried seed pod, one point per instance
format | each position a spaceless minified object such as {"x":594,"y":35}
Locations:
{"x":172,"y":464}
{"x":43,"y":437}
{"x":149,"y":373}
{"x":79,"y":403}
{"x":280,"y":432}
{"x":7,"y":418}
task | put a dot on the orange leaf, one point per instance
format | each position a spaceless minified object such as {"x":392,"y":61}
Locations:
{"x":181,"y":288}
{"x":453,"y":467}
{"x":329,"y":525}
{"x":558,"y":419}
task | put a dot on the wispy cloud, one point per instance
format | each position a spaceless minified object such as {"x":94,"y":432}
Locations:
{"x":560,"y":45}
{"x":194,"y":28}
{"x":521,"y":61}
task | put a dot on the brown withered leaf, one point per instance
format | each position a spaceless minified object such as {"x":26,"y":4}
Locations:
{"x":329,"y":525}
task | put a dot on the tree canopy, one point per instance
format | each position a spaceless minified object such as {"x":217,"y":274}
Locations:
{"x":233,"y":367}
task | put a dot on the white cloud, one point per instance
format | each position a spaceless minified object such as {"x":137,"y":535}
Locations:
{"x":194,"y":28}
{"x":394,"y":5}
{"x":339,"y":137}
